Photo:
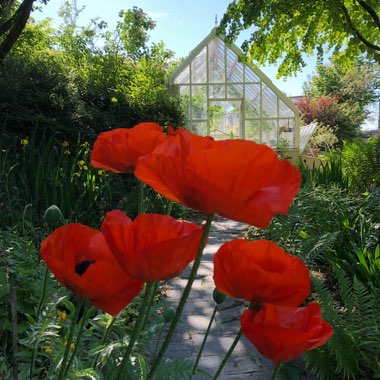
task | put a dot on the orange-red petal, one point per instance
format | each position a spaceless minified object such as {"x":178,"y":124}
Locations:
{"x":283,"y":333}
{"x":238,"y":179}
{"x":80,"y":259}
{"x":154,"y":247}
{"x":260,"y":271}
{"x":118,"y":150}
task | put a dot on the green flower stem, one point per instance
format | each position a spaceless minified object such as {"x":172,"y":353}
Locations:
{"x":169,"y":207}
{"x":137,"y":328}
{"x":103,"y":340}
{"x":158,"y":341}
{"x":79,"y":336}
{"x":70,"y":338}
{"x":39,"y":308}
{"x":204,"y":342}
{"x":140,"y":204}
{"x":227,"y":356}
{"x":42,"y":298}
{"x":276,"y":371}
{"x":183,"y":299}
{"x":151,"y":301}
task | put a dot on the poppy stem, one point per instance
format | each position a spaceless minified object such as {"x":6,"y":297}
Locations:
{"x":276,"y":371}
{"x":140,"y":204}
{"x":79,"y":336}
{"x":137,"y":328}
{"x":39,"y":308}
{"x":227,"y":356}
{"x":70,"y":338}
{"x":42,"y":298}
{"x":183,"y":299}
{"x":156,"y":284}
{"x":204,"y":342}
{"x":104,"y":338}
{"x":169,"y":207}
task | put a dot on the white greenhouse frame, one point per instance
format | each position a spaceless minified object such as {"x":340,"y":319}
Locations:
{"x":225,"y":98}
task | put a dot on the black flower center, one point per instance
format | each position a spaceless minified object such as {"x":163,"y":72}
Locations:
{"x":82,"y":267}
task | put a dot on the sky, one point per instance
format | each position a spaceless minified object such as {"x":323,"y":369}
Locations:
{"x":180,"y":24}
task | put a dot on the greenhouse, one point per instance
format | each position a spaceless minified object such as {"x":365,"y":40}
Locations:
{"x":225,"y":98}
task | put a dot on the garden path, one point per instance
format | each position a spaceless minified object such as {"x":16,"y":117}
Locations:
{"x":245,"y":362}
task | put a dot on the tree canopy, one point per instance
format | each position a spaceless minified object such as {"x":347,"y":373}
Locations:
{"x":287,"y":31}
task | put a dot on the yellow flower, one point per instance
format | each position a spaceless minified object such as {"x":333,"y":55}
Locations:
{"x":48,"y":350}
{"x":62,"y":315}
{"x":81,"y":162}
{"x":85,"y":167}
{"x":66,"y":151}
{"x":24,"y":142}
{"x":65,"y":144}
{"x":100,"y":172}
{"x":76,"y":174}
{"x":72,"y":346}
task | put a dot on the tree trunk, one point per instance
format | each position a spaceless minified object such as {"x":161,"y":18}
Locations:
{"x":16,"y":26}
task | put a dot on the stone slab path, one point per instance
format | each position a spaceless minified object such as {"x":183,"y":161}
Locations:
{"x":245,"y":362}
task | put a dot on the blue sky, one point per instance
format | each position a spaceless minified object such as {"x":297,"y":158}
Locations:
{"x":180,"y":24}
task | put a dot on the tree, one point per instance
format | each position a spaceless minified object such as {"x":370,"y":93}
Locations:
{"x":286,"y":31}
{"x":339,"y":97}
{"x":13,"y":18}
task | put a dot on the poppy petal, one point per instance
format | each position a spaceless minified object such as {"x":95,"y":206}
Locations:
{"x":260,"y":271}
{"x":238,"y":179}
{"x":283,"y":333}
{"x":154,"y":247}
{"x":80,"y":259}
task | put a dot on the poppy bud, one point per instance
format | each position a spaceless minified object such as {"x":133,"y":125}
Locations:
{"x":169,"y":314}
{"x":53,"y":215}
{"x":218,"y":296}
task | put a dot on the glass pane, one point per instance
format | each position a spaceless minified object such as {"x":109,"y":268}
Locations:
{"x":286,"y":132}
{"x":224,"y":119}
{"x":198,"y":68}
{"x":216,"y":61}
{"x":184,"y":92}
{"x":199,"y":128}
{"x":217,"y":91}
{"x":269,"y":132}
{"x":285,"y":111}
{"x":234,"y":67}
{"x":252,"y":101}
{"x":198,"y":102}
{"x":250,"y":76}
{"x":269,"y":102}
{"x":234,"y":90}
{"x":183,"y":76}
{"x":252,"y":130}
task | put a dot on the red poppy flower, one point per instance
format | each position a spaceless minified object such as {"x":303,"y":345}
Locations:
{"x":238,"y":179}
{"x":283,"y":333}
{"x":118,"y":150}
{"x":152,"y":247}
{"x":260,"y":271}
{"x":80,"y":259}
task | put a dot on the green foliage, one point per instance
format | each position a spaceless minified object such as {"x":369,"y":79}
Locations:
{"x":178,"y":369}
{"x":64,"y":82}
{"x":361,"y":163}
{"x":353,"y":310}
{"x":289,"y":32}
{"x":355,"y":167}
{"x":323,"y":138}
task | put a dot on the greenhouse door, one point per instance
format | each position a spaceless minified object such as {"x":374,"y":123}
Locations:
{"x":224,"y":119}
